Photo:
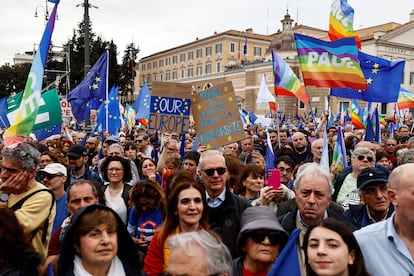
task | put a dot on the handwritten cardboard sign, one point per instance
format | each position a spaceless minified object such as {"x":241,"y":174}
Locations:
{"x":217,"y":117}
{"x":170,"y":107}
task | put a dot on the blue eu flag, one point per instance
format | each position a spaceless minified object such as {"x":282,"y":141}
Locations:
{"x":383,"y":78}
{"x":92,"y":87}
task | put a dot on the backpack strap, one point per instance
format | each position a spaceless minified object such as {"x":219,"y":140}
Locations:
{"x":20,"y":203}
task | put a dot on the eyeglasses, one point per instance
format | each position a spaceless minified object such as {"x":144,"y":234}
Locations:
{"x":373,"y":190}
{"x":391,"y":145}
{"x":115,"y":169}
{"x":287,"y":170}
{"x":210,"y":172}
{"x":275,"y":237}
{"x":362,"y":157}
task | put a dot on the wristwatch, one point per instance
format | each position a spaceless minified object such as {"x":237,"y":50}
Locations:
{"x":4,"y":197}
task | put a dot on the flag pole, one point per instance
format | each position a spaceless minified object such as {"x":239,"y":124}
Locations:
{"x":106,"y":92}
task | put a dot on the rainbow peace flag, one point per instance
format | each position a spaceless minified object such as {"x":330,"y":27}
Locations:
{"x":26,"y":116}
{"x":405,"y":99}
{"x":286,"y":82}
{"x":330,"y":64}
{"x":357,"y":115}
{"x":341,"y":20}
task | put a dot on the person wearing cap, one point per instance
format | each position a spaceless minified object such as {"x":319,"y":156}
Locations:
{"x":78,"y":168}
{"x":261,"y":238}
{"x":345,"y":183}
{"x":388,"y":245}
{"x":375,"y":205}
{"x":53,"y":176}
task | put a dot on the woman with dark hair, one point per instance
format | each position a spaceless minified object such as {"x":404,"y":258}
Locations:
{"x":17,"y":256}
{"x":131,"y":151}
{"x":117,"y":171}
{"x":186,"y":212}
{"x":97,"y":243}
{"x":331,"y":249}
{"x":149,"y":170}
{"x":234,"y":171}
{"x":148,"y":208}
{"x":251,"y":182}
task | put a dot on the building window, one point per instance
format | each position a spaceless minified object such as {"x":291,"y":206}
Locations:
{"x":218,"y":67}
{"x":161,"y":77}
{"x":208,"y":68}
{"x":143,"y":67}
{"x":161,"y":63}
{"x":167,"y":76}
{"x":257,"y":51}
{"x":411,"y":78}
{"x":154,"y":64}
{"x":149,"y":66}
{"x":190,"y":55}
{"x":199,"y":53}
{"x":155,"y":77}
{"x":174,"y":59}
{"x":182,"y":57}
{"x":208,"y":51}
{"x":167,"y":61}
{"x":149,"y":79}
{"x":199,"y":70}
{"x":190,"y":72}
{"x":232,"y":47}
{"x":383,"y":108}
{"x":218,"y":48}
{"x":182,"y":73}
{"x":174,"y":75}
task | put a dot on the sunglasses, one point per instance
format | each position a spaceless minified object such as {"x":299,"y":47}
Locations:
{"x":49,"y":176}
{"x":210,"y":172}
{"x":274,"y":237}
{"x":369,"y":158}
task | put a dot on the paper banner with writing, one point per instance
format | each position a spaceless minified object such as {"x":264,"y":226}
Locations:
{"x":170,"y":107}
{"x":217,"y":117}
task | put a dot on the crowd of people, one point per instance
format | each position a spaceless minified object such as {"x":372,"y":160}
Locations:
{"x":147,"y":203}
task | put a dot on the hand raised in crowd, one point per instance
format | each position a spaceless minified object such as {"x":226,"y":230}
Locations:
{"x":270,"y":194}
{"x":16,"y":183}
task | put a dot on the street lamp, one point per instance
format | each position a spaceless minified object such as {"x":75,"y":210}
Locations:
{"x":86,"y":6}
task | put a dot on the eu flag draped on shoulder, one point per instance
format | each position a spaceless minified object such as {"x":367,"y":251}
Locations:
{"x":382,"y":76}
{"x":92,"y":88}
{"x":26,"y":116}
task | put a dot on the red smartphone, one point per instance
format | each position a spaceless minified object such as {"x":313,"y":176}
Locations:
{"x":273,"y":178}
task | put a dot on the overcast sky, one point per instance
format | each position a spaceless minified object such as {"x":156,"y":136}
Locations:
{"x":156,"y":25}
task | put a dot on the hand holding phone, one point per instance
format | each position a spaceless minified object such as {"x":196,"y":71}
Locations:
{"x":273,"y":178}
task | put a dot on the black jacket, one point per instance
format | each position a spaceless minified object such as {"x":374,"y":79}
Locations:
{"x":357,"y":216}
{"x":127,"y":251}
{"x":288,"y":220}
{"x":225,"y":219}
{"x":89,"y":175}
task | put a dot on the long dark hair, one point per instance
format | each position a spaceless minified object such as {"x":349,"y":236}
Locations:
{"x":147,"y":189}
{"x":343,"y":230}
{"x":171,"y":220}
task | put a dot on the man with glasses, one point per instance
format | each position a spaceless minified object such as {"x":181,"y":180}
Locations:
{"x":224,"y":207}
{"x":375,"y":205}
{"x":273,"y":198}
{"x":144,"y":148}
{"x":53,"y":176}
{"x":18,"y":185}
{"x":345,"y":184}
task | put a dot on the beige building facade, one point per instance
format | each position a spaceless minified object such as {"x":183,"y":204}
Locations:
{"x":243,"y":57}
